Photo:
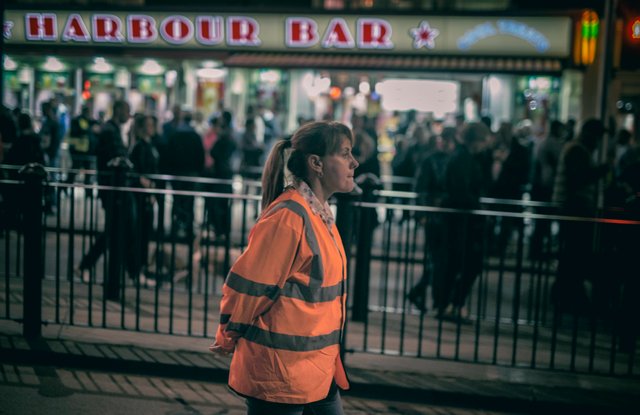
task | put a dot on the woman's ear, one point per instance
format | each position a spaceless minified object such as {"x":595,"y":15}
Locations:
{"x":314,"y":163}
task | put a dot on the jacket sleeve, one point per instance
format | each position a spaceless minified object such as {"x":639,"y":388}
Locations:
{"x":257,"y":277}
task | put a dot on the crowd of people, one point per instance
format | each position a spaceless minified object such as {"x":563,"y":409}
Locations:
{"x":447,"y":165}
{"x":454,"y":166}
{"x":185,"y":146}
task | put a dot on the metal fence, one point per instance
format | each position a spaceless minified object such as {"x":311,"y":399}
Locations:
{"x":508,"y":318}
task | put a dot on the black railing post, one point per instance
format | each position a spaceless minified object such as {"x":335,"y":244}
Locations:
{"x":368,"y":222}
{"x":115,"y":218}
{"x":33,"y":176}
{"x":345,"y":219}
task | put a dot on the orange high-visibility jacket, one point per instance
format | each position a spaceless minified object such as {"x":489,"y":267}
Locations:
{"x":283,"y":307}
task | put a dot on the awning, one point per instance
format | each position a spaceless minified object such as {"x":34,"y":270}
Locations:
{"x":401,"y":63}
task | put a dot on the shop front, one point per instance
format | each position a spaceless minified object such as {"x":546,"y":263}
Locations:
{"x":297,"y":65}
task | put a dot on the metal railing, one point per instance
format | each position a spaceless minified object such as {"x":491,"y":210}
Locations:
{"x":508,"y":316}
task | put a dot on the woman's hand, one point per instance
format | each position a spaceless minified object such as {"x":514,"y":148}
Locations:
{"x":217,"y":349}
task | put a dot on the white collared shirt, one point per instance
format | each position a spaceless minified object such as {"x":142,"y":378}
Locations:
{"x":318,"y":208}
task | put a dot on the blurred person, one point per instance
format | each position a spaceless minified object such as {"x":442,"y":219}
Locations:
{"x":82,"y":133}
{"x":8,"y":127}
{"x":571,"y":129}
{"x":545,"y":161}
{"x":26,"y":146}
{"x":364,"y":147}
{"x":623,"y":144}
{"x":430,"y":185}
{"x":199,"y":123}
{"x":575,"y":193}
{"x":208,"y":140}
{"x":409,"y":153}
{"x":170,"y":126}
{"x":464,"y":187}
{"x":251,"y":150}
{"x":222,"y":153}
{"x":145,"y":159}
{"x":51,"y":140}
{"x":254,"y":114}
{"x":24,"y":150}
{"x":299,"y":291}
{"x":184,"y":157}
{"x":162,"y":140}
{"x":511,"y":172}
{"x":110,"y":146}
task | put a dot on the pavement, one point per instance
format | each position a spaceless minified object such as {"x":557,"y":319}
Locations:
{"x":390,"y":378}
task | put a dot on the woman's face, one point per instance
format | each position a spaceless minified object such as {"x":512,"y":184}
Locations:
{"x":338,"y":170}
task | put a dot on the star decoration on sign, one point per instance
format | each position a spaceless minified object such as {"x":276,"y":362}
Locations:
{"x":424,"y":35}
{"x":6,"y":29}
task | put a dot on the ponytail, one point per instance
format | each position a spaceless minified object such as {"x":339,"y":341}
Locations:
{"x":318,"y":137}
{"x":273,"y":173}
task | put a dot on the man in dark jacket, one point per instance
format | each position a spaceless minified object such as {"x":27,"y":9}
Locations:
{"x":110,"y":146}
{"x":51,"y":139}
{"x":430,"y":185}
{"x":184,"y":157}
{"x":464,"y":185}
{"x":575,"y":192}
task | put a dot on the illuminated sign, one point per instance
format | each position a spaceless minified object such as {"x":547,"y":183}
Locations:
{"x":635,"y":29}
{"x":523,"y":36}
{"x":586,"y":40}
{"x":508,"y":27}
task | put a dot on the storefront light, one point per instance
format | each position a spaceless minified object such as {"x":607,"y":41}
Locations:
{"x":210,"y":73}
{"x":237,"y":87}
{"x":495,"y":85}
{"x":52,"y":64}
{"x":150,"y":67}
{"x":364,"y":87}
{"x":406,"y":94}
{"x":335,"y":92}
{"x":100,"y":65}
{"x":25,"y":75}
{"x":270,"y":76}
{"x":349,"y":91}
{"x":360,"y":103}
{"x":314,"y":86}
{"x":9,"y":64}
{"x":170,"y":78}
{"x":122,"y":78}
{"x":210,"y":64}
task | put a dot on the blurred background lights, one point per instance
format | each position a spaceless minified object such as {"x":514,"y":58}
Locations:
{"x":9,"y":64}
{"x":151,"y":67}
{"x":270,"y":76}
{"x":364,"y":87}
{"x":100,"y":65}
{"x":53,"y":64}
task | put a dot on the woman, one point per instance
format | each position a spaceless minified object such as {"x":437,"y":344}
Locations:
{"x":284,"y":302}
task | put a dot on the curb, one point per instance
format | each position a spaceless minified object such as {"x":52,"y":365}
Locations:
{"x":39,"y":355}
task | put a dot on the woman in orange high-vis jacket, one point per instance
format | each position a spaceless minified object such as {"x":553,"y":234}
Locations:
{"x":283,"y":304}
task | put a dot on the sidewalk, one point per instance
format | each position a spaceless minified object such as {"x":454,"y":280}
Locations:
{"x":372,"y":376}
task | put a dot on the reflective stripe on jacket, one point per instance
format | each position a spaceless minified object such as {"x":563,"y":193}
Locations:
{"x":283,"y":307}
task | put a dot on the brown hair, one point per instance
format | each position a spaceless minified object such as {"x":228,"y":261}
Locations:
{"x":318,"y":137}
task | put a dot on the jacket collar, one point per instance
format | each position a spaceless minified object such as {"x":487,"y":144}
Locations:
{"x":321,"y":209}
